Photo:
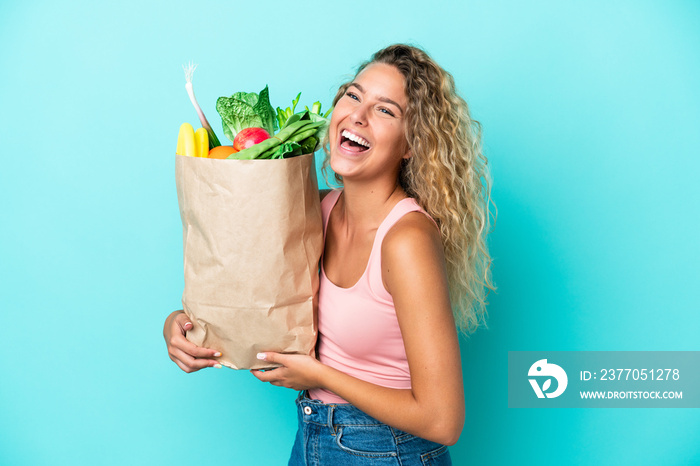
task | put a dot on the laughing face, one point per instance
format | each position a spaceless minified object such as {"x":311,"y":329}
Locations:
{"x":367,"y":135}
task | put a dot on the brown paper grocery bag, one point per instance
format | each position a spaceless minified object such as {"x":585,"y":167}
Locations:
{"x":252,"y":236}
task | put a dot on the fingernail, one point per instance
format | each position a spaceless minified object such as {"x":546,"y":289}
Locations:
{"x":261,"y":356}
{"x":188,"y":324}
{"x":218,"y":366}
{"x":217,"y":354}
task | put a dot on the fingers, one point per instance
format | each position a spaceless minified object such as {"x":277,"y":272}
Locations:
{"x":295,"y":371}
{"x":276,"y":376}
{"x":190,"y":364}
{"x":277,"y":358}
{"x":273,"y":376}
{"x":178,"y":341}
{"x":183,"y":322}
{"x":188,"y":356}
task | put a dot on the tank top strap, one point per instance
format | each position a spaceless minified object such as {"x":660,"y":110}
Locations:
{"x":374,"y":267}
{"x":401,"y":208}
{"x":327,"y":205}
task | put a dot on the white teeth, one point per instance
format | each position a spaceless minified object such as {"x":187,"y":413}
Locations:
{"x":354,"y":137}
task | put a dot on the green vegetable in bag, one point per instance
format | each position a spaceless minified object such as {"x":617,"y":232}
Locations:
{"x":268,"y":147}
{"x":287,"y":150}
{"x":244,"y":110}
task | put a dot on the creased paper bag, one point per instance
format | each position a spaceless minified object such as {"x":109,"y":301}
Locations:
{"x":252,"y":238}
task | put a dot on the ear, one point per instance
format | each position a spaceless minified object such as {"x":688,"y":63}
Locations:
{"x":407,"y":146}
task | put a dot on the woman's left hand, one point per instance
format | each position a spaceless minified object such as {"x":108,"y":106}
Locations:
{"x":297,"y":371}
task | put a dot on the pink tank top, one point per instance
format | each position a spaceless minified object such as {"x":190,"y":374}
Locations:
{"x":358,"y":330}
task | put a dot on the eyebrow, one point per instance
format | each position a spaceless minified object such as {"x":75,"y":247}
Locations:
{"x":381,"y":99}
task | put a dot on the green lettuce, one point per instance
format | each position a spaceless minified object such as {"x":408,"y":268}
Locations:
{"x":246,"y":110}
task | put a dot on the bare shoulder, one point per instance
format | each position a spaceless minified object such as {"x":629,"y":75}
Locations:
{"x":411,"y":251}
{"x":414,"y":231}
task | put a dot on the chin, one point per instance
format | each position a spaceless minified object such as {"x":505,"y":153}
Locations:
{"x":338,"y":168}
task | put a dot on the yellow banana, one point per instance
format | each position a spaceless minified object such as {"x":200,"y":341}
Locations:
{"x":180,"y":146}
{"x":185,"y":140}
{"x":201,"y":143}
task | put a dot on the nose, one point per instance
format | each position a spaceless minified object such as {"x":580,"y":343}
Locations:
{"x":359,"y":115}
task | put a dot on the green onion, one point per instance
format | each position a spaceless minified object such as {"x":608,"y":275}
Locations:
{"x":189,"y":72}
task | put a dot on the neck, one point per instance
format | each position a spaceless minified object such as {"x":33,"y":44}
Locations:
{"x":366,"y":206}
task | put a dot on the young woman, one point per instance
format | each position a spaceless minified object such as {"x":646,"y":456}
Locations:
{"x":405,"y":263}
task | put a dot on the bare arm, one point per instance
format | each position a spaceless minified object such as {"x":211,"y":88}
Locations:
{"x":413,"y":269}
{"x":414,"y":274}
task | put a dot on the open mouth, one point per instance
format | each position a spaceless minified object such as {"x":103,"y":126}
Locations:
{"x":353,"y":143}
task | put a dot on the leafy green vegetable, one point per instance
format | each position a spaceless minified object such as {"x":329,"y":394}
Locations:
{"x":283,"y":115}
{"x":296,"y":117}
{"x":316,"y":110}
{"x":268,"y":147}
{"x":308,"y":137}
{"x":286,"y":150}
{"x":308,"y":145}
{"x":266,"y":112}
{"x":300,"y":133}
{"x":246,"y":110}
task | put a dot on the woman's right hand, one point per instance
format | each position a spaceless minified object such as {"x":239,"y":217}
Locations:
{"x":188,"y":356}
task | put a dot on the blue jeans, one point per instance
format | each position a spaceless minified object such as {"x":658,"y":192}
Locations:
{"x":342,"y":435}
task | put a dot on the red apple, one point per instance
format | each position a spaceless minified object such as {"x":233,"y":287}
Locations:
{"x":249,"y":137}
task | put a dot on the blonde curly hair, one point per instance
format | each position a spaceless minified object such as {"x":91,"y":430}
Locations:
{"x":447,"y":174}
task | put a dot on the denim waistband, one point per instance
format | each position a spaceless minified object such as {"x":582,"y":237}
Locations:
{"x":334,"y":415}
{"x":342,"y":434}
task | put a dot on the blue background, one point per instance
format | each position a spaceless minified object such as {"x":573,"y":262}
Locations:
{"x":591,"y":113}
